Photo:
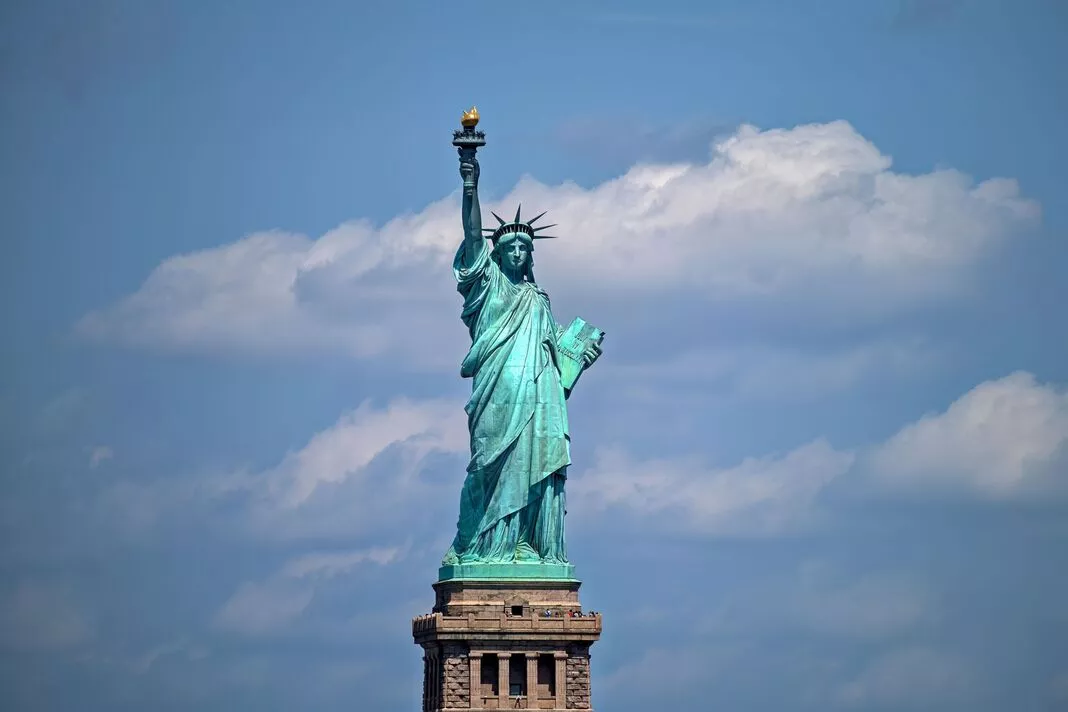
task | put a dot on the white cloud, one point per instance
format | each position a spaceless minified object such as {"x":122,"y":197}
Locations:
{"x":1002,"y":438}
{"x":257,"y":608}
{"x":760,"y":496}
{"x":327,"y":487}
{"x":237,"y":296}
{"x":271,"y":605}
{"x":811,"y":214}
{"x":327,"y":564}
{"x":331,"y":487}
{"x":179,"y":648}
{"x":343,"y":451}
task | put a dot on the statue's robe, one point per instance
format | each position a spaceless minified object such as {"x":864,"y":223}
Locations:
{"x":512,"y":503}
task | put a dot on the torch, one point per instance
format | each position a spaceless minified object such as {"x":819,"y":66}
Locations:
{"x":466,"y":139}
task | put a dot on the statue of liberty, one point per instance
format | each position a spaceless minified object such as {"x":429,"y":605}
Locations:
{"x":522,"y":365}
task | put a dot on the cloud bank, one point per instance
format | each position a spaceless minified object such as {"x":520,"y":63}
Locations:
{"x":812,"y":215}
{"x":1005,"y":439}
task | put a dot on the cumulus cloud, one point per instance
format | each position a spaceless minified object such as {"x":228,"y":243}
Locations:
{"x":179,"y":648}
{"x":348,"y":480}
{"x":343,"y":451}
{"x":813,"y":213}
{"x":759,"y":496}
{"x":353,"y":478}
{"x":327,"y":564}
{"x":259,"y":607}
{"x":1003,"y":438}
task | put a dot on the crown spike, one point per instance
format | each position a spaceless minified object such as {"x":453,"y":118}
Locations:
{"x":517,"y":211}
{"x":536,"y":218}
{"x":499,"y":218}
{"x":544,"y":237}
{"x":543,"y":227}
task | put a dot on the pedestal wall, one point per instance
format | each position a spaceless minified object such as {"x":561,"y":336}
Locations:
{"x":506,"y":645}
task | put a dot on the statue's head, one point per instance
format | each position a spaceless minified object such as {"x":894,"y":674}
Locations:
{"x":513,"y":253}
{"x":513,"y":244}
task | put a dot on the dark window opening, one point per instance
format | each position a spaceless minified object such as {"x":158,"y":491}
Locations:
{"x":546,"y":677}
{"x":517,"y":610}
{"x":517,"y":675}
{"x":490,"y":675}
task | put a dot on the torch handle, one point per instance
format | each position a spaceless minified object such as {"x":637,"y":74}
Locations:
{"x":467,"y":155}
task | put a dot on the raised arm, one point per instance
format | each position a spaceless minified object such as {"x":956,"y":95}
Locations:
{"x":474,"y":243}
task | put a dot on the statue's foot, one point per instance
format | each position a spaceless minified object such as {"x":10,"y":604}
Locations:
{"x":525,"y":552}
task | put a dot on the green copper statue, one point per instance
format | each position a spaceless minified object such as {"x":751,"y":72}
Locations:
{"x":523,"y":366}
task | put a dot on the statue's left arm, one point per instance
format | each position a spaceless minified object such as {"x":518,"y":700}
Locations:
{"x":592,"y":352}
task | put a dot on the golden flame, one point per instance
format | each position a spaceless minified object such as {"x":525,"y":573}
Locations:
{"x":470,"y":118}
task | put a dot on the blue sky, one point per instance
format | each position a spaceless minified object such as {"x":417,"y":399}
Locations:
{"x":823,"y":463}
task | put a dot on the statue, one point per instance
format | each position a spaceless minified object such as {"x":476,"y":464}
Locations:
{"x":523,"y":365}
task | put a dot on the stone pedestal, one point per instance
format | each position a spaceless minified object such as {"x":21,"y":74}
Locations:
{"x":499,"y":644}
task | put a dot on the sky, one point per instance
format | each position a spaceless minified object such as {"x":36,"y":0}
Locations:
{"x":821,"y":465}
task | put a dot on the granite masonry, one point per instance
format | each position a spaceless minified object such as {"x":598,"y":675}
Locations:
{"x":491,"y":645}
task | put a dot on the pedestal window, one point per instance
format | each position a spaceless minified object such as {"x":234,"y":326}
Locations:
{"x":517,"y":676}
{"x":546,"y":677}
{"x":489,"y":676}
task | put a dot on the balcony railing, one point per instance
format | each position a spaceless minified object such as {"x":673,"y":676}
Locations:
{"x":504,"y":622}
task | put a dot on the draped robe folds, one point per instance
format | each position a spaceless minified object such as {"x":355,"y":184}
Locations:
{"x":512,"y":502}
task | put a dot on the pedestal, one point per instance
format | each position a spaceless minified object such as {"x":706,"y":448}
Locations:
{"x":499,"y":644}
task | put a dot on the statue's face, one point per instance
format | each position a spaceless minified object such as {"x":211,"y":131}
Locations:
{"x":515,"y":254}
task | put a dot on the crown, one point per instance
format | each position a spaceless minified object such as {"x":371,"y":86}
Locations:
{"x":518,"y":227}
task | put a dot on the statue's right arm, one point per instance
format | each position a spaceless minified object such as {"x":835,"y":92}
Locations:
{"x":474,"y":243}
